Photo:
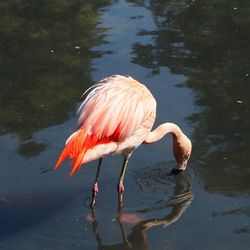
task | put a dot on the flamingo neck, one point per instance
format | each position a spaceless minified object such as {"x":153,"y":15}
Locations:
{"x":162,"y":130}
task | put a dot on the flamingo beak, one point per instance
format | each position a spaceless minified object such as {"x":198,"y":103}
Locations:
{"x":181,"y":166}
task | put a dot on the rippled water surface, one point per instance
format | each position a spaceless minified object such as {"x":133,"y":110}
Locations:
{"x":195,"y":58}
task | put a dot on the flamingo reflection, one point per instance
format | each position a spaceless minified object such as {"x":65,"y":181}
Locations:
{"x":136,"y":239}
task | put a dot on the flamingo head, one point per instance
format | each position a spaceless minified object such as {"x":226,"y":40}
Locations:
{"x":182,"y":148}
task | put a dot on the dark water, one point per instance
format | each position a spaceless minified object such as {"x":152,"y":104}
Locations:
{"x":195,"y":58}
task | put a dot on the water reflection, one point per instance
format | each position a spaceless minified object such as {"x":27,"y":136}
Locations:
{"x":234,"y":212}
{"x":136,"y":237}
{"x":45,"y":62}
{"x":208,"y":41}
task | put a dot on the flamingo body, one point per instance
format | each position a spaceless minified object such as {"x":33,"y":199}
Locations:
{"x":115,"y":117}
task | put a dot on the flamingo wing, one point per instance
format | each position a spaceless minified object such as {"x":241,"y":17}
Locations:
{"x":116,"y":107}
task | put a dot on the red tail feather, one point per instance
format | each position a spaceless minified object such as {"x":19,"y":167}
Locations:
{"x":76,"y":147}
{"x":78,"y":144}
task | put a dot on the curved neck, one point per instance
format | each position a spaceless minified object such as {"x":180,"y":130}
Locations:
{"x":162,"y":130}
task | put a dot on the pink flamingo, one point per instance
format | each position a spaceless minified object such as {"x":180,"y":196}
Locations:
{"x":116,"y":117}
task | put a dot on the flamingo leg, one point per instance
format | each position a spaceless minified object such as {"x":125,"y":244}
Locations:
{"x":120,"y":186}
{"x":95,"y":187}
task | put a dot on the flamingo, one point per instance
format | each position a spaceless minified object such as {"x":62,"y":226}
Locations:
{"x":116,"y":117}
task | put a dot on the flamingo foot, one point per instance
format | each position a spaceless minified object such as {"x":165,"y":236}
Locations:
{"x":120,"y":188}
{"x":95,"y":190}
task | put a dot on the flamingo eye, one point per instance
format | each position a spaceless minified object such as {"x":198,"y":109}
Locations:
{"x":186,"y":157}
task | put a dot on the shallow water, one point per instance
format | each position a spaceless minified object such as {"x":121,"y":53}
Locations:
{"x":195,"y":58}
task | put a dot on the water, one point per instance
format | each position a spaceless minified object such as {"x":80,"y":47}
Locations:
{"x":193,"y":56}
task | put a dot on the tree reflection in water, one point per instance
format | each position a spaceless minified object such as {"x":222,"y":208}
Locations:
{"x":45,"y":62}
{"x":208,"y":42}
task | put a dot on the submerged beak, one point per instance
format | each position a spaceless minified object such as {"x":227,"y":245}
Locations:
{"x":175,"y":171}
